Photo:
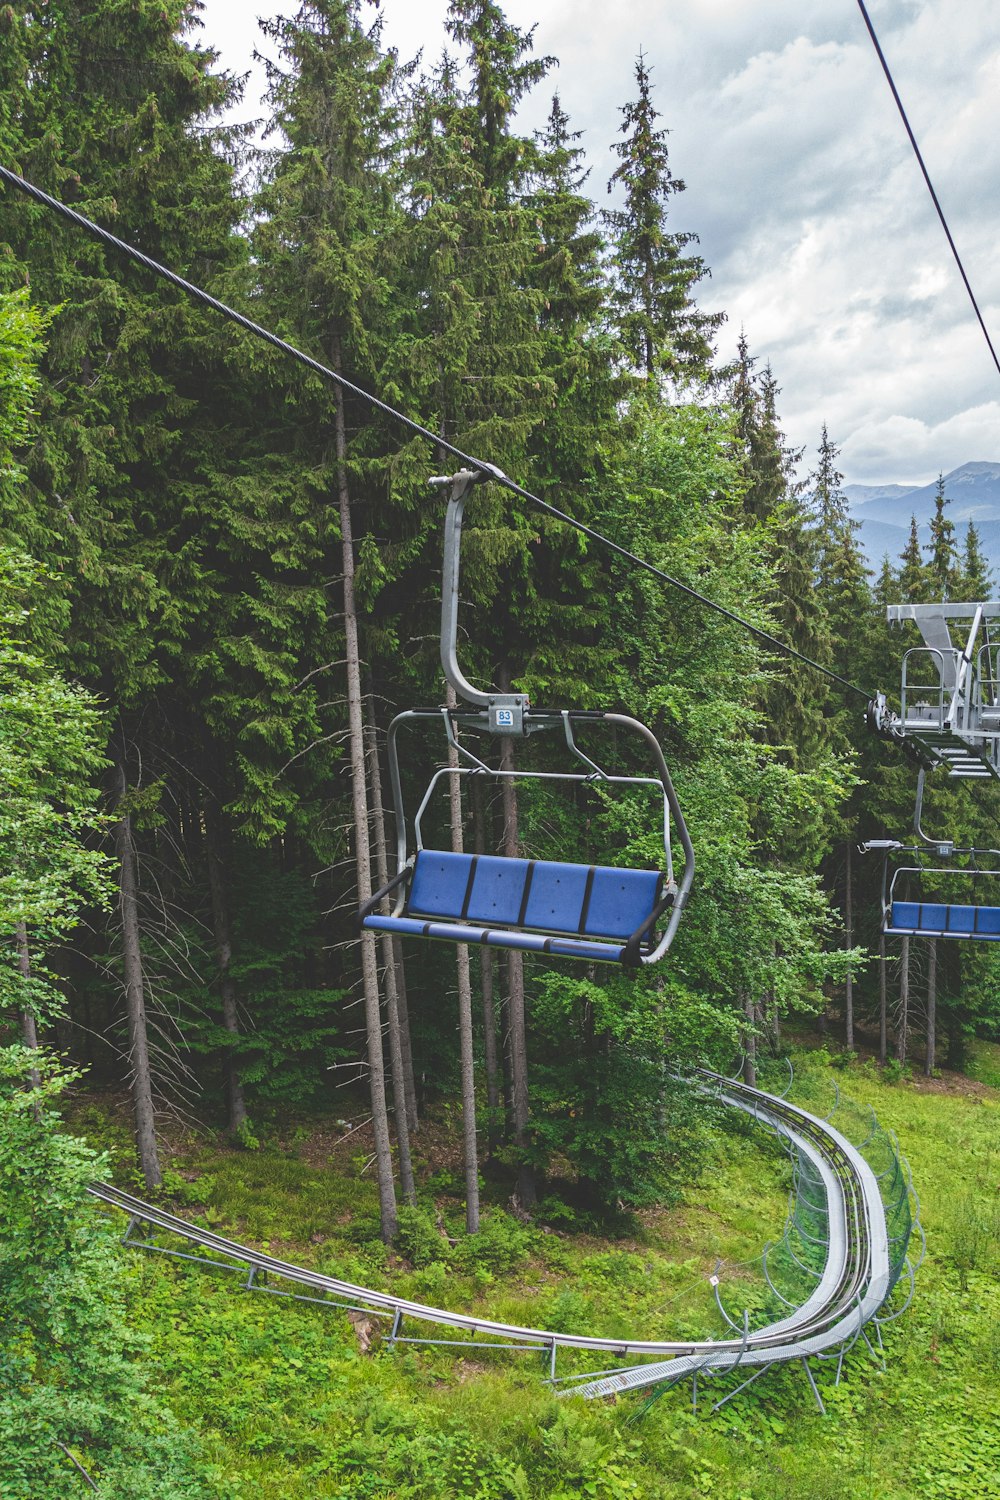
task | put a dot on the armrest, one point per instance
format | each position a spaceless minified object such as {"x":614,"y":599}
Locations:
{"x":380,"y":895}
{"x":630,"y":957}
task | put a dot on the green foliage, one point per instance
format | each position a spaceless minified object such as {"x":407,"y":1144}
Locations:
{"x":661,"y":331}
{"x":72,"y":1376}
{"x":21,"y":329}
{"x":50,"y":758}
{"x":417,"y":1237}
{"x":501,"y":1246}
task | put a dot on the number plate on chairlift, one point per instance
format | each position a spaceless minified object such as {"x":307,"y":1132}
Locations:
{"x":507,"y":714}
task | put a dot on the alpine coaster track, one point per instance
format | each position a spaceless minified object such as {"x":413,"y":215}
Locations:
{"x":863,"y":1262}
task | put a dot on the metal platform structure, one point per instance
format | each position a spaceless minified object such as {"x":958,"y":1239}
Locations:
{"x":950,"y":690}
{"x":811,"y":1296}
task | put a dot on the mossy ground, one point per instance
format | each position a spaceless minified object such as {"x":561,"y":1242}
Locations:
{"x":289,"y":1407}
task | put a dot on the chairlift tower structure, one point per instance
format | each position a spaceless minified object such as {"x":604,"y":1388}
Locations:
{"x":950,"y":688}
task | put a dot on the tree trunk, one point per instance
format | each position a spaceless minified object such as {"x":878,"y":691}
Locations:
{"x":881,"y":1000}
{"x":135,"y":997}
{"x":931,"y":1006}
{"x":362,"y":855}
{"x":507,"y":1067}
{"x":904,"y":1001}
{"x":29,"y":1029}
{"x":389,"y":969}
{"x":749,"y":1044}
{"x":409,"y":1081}
{"x":849,"y":938}
{"x":470,"y":1147}
{"x":486,"y":982}
{"x":395,"y":960}
{"x":215,"y":844}
{"x":515,"y":987}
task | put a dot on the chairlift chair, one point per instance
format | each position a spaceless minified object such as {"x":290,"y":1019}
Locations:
{"x":576,"y":911}
{"x":915,"y":875}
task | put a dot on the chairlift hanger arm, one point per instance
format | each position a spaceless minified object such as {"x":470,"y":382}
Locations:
{"x":943,"y":848}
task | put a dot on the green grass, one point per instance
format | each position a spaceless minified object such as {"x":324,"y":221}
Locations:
{"x":984,"y":1063}
{"x":289,"y":1408}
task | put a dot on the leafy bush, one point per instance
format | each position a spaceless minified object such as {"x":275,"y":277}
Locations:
{"x":501,"y":1245}
{"x":417,"y":1237}
{"x":72,"y":1379}
{"x":896,"y":1072}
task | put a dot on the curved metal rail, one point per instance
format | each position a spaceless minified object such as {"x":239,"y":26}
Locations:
{"x":856,"y":1280}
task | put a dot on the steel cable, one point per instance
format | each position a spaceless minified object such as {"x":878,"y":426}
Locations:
{"x":927,"y":179}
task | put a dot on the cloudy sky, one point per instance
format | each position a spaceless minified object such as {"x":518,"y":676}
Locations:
{"x":812,"y":214}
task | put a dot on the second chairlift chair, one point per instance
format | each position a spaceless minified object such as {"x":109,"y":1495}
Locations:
{"x":588,"y":912}
{"x":908,"y":910}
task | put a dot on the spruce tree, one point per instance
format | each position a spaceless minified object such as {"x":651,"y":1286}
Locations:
{"x":569,"y":273}
{"x":843,"y":590}
{"x":502,"y":71}
{"x":660,"y":330}
{"x":944,"y":553}
{"x":772,"y":506}
{"x":326,"y":206}
{"x":975,"y":577}
{"x":123,"y":475}
{"x":914,"y":581}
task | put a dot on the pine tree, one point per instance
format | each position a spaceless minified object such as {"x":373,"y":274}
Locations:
{"x":660,"y":329}
{"x":768,"y":463}
{"x":974,"y":576}
{"x":944,"y":553}
{"x":772,"y":501}
{"x":123,"y":477}
{"x":913,"y":581}
{"x":569,"y":274}
{"x":830,"y":504}
{"x":886,"y":587}
{"x":327,"y":207}
{"x":842,"y":578}
{"x":503,"y":72}
{"x":50,"y":738}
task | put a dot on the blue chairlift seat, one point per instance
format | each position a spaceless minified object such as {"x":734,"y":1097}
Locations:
{"x":936,"y":919}
{"x":590,"y":912}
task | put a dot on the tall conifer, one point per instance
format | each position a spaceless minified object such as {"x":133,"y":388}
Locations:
{"x":944,"y":553}
{"x":661,"y":331}
{"x":913,"y":579}
{"x":975,"y":578}
{"x":327,"y":205}
{"x":117,"y":120}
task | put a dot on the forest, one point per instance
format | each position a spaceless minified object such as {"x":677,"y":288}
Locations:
{"x":220,"y":579}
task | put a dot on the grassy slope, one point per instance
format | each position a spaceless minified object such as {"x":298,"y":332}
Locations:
{"x":290,"y":1408}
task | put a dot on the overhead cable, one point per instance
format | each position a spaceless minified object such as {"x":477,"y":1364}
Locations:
{"x":927,"y":179}
{"x":487,"y":470}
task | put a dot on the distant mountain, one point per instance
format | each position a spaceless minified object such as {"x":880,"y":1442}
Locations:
{"x":867,"y":494}
{"x":884,"y":511}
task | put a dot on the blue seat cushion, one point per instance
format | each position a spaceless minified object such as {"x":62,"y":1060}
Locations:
{"x":497,"y":889}
{"x":438,"y":884}
{"x":575,"y":900}
{"x":937,"y":919}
